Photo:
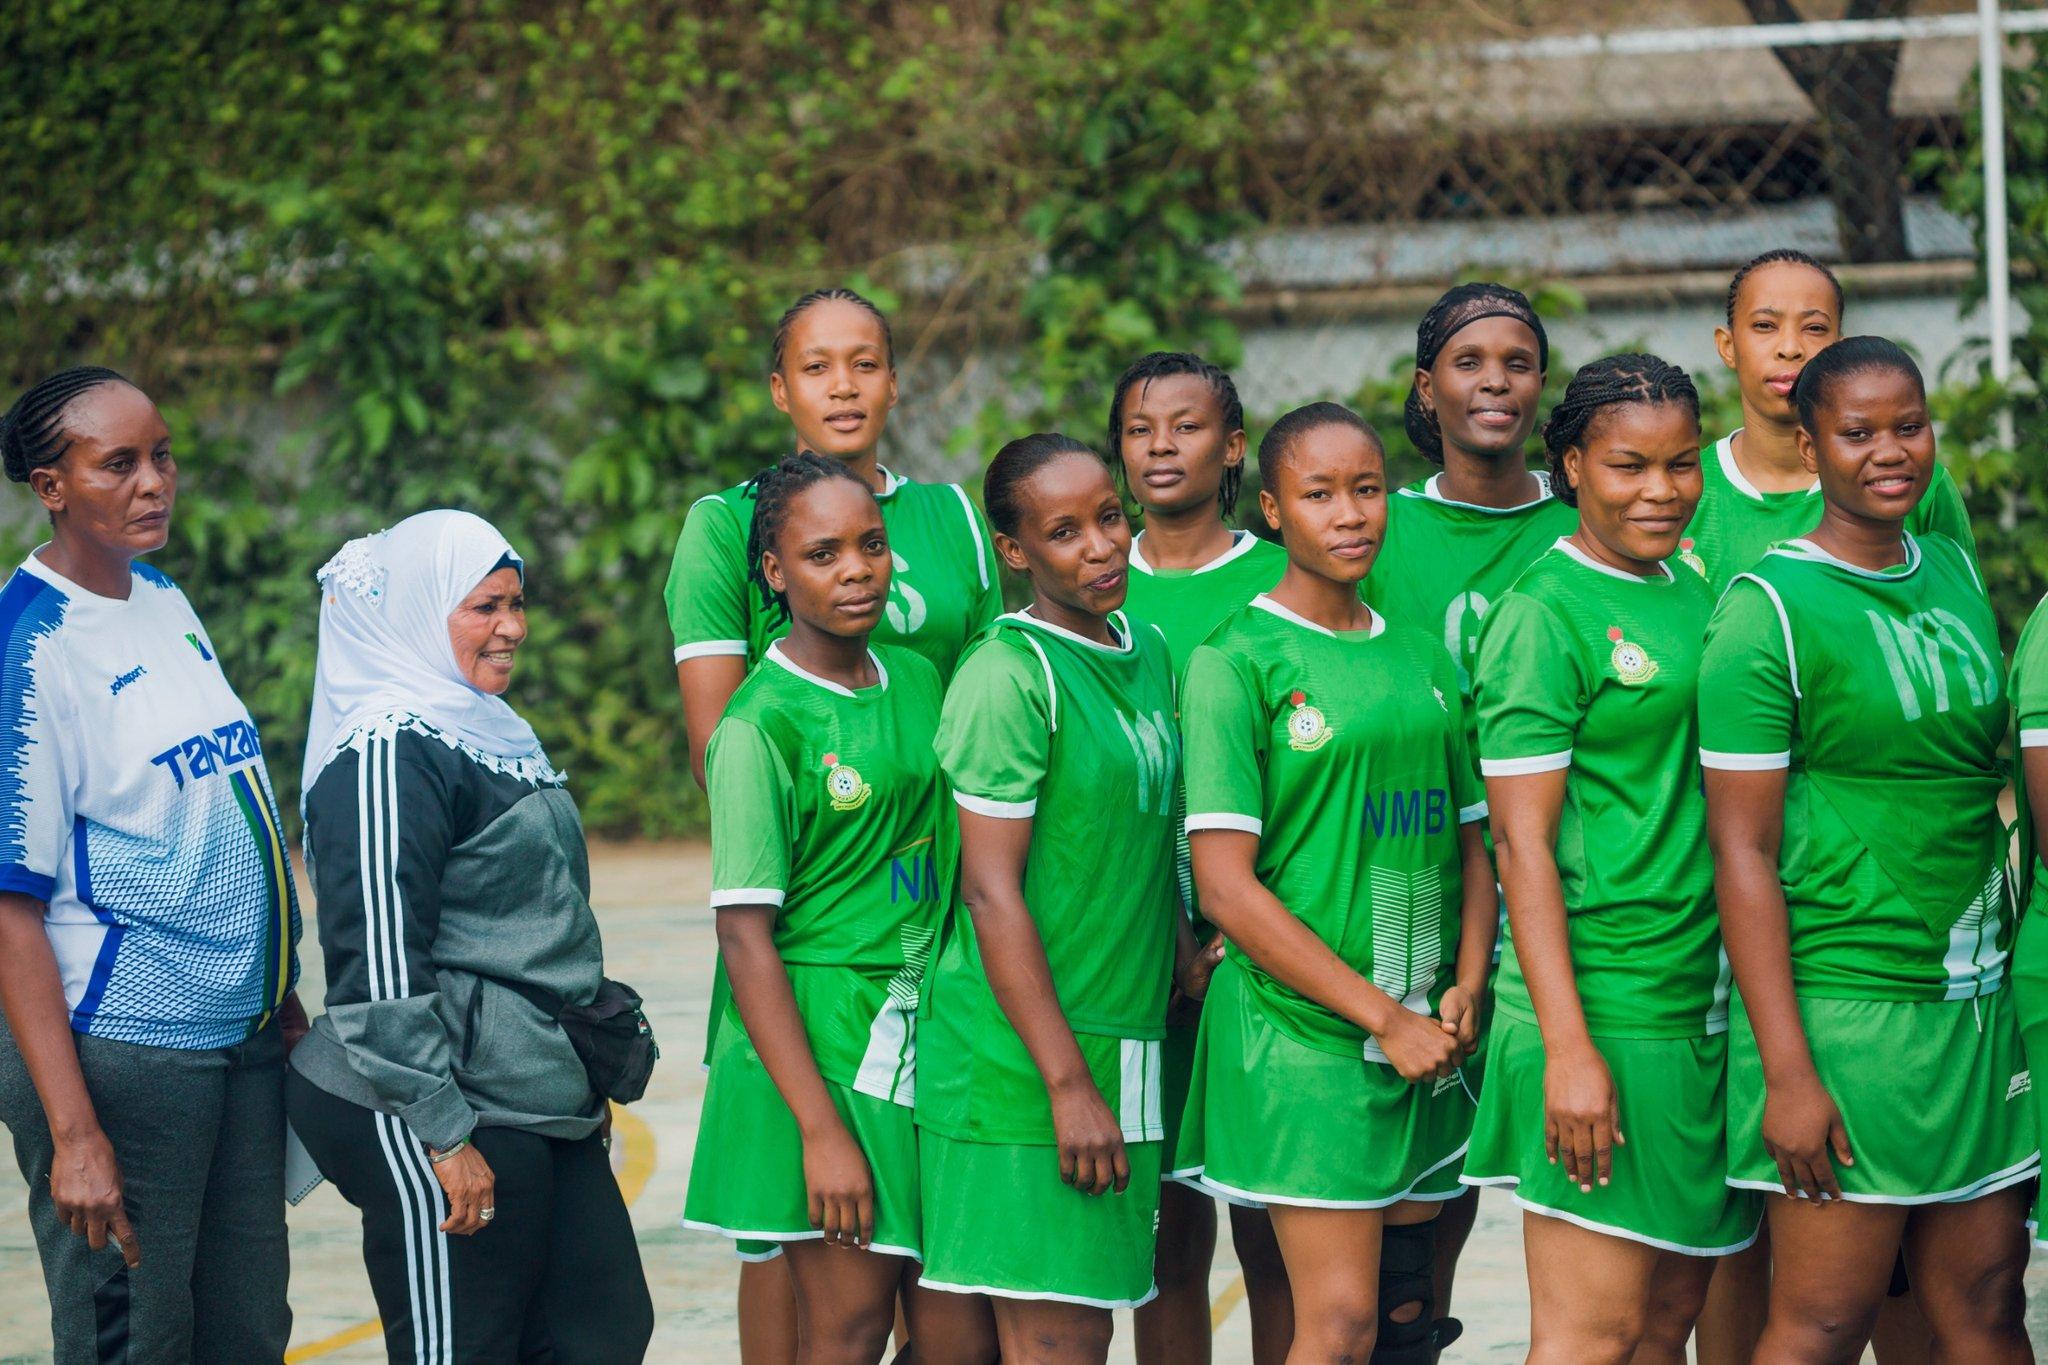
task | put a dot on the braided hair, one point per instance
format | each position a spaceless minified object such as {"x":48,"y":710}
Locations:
{"x":1016,"y":462}
{"x":1849,"y":356}
{"x":32,"y":432}
{"x":1458,"y":309}
{"x":1783,"y":255}
{"x":1631,"y":377}
{"x":772,"y":490}
{"x":1278,"y":442}
{"x":835,"y":294}
{"x":1162,"y":365}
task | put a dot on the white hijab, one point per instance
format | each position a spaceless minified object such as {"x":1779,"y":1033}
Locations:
{"x":385,"y":656}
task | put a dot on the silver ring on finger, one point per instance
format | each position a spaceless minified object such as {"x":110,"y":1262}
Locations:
{"x":487,"y":1212}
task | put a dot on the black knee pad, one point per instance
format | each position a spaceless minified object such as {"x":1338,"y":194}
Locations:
{"x":1408,"y":1276}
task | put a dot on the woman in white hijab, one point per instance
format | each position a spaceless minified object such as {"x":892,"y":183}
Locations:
{"x":437,"y":1092}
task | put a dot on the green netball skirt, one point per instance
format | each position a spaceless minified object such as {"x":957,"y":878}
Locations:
{"x":1272,"y":1121}
{"x":1668,"y":1185}
{"x":999,"y":1220}
{"x":747,"y":1177}
{"x":1933,"y":1094}
{"x":2030,"y":1003}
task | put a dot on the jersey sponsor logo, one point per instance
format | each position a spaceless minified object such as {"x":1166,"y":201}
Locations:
{"x":2022,"y":1083}
{"x":1415,"y":810}
{"x":130,"y":676}
{"x":905,"y":609}
{"x":844,"y":786}
{"x":192,"y":638}
{"x":1152,"y":746}
{"x":1690,"y":557}
{"x":1307,"y":731}
{"x":223,"y":749}
{"x":913,"y":874}
{"x":1923,"y":650}
{"x":1462,"y":619}
{"x":1632,"y":663}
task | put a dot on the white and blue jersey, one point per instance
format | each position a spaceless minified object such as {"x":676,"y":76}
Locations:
{"x":135,"y":805}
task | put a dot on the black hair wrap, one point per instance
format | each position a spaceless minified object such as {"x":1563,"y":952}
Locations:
{"x":1451,"y":314}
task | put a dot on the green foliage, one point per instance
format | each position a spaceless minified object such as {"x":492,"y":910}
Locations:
{"x":522,"y":257}
{"x":2005,"y":482}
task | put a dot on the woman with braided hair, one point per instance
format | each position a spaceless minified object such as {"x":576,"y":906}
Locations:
{"x":1851,"y":713}
{"x":148,"y":923}
{"x":832,"y":846}
{"x":1177,"y":427}
{"x":1603,"y":1100}
{"x":832,"y":371}
{"x":1458,"y":538}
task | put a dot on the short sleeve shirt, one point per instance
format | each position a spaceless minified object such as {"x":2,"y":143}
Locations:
{"x":135,"y":805}
{"x":2030,"y":708}
{"x":943,"y":591}
{"x":1881,"y":694}
{"x":1187,"y":604}
{"x":1595,"y":671}
{"x":1736,"y":521}
{"x":827,"y":804}
{"x":1078,"y":737}
{"x":1345,"y":755}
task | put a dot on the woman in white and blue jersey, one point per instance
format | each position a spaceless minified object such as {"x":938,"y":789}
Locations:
{"x":148,"y":924}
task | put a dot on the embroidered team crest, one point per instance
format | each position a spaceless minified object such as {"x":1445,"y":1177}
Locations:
{"x":1690,"y":557}
{"x":844,"y":784}
{"x":1632,"y":664}
{"x":1307,"y":731}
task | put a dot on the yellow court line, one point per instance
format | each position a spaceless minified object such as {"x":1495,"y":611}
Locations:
{"x":634,"y":1172}
{"x":1226,"y":1303}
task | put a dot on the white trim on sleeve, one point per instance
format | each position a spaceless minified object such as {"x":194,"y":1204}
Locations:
{"x":706,"y":649}
{"x":1522,"y":767}
{"x":1223,"y":819}
{"x":1467,"y":814}
{"x":1744,"y":763}
{"x":2034,"y":739}
{"x":747,"y":895}
{"x":997,"y":810}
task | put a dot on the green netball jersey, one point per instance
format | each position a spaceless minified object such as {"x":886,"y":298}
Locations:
{"x":1078,"y":737}
{"x":1445,"y":563}
{"x":1346,"y":755}
{"x":1596,"y":671}
{"x":2030,"y":706}
{"x":1187,"y":604}
{"x":1736,"y":522}
{"x":943,"y":592}
{"x":828,"y":804}
{"x":1881,"y":694}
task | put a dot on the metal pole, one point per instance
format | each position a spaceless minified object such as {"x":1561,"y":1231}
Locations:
{"x":1997,"y":253}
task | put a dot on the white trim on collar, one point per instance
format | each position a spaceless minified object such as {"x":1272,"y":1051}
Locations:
{"x":775,"y":653}
{"x":1564,"y":543}
{"x":1434,"y":493}
{"x":1802,"y":548}
{"x":1724,"y":451}
{"x":891,"y":480}
{"x":1118,"y":623}
{"x":1238,"y":550}
{"x":1264,"y":602}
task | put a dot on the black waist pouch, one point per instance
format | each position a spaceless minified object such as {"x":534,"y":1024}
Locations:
{"x":611,"y":1034}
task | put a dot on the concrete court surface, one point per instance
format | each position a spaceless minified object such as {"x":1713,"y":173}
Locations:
{"x":658,"y":936}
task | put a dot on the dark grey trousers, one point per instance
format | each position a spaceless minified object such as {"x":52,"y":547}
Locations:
{"x":199,"y":1136}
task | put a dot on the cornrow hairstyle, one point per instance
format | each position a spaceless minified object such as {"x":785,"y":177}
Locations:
{"x":32,"y":432}
{"x":1631,"y":377}
{"x":836,"y":294}
{"x":1849,"y":356}
{"x":772,"y":490}
{"x":1458,"y":309}
{"x":1161,"y":365}
{"x":1013,"y":465}
{"x":1278,"y":443}
{"x":1783,"y":255}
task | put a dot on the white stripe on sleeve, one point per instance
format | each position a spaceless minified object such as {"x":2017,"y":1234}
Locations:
{"x":1522,"y":767}
{"x":999,"y":810}
{"x":1223,"y":819}
{"x":1745,"y":763}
